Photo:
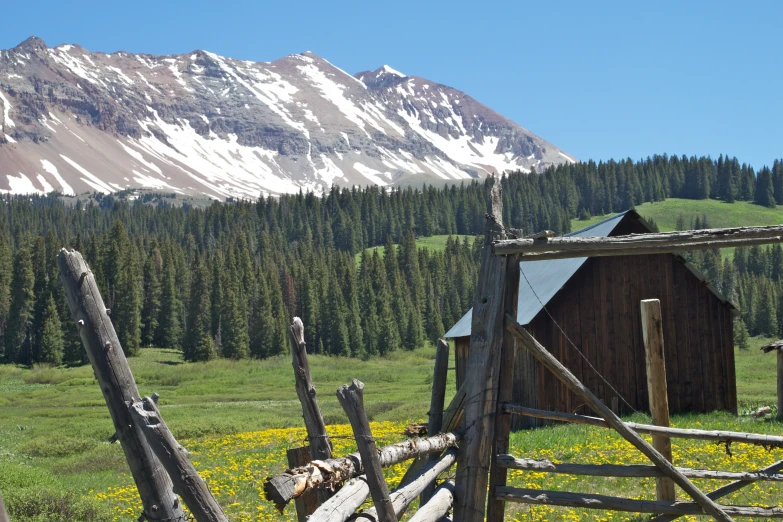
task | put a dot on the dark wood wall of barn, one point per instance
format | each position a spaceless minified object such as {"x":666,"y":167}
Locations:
{"x":599,"y":310}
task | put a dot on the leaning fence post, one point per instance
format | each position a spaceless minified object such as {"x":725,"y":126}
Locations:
{"x":352,"y":400}
{"x":437,"y":400}
{"x":652,"y":331}
{"x":118,"y":386}
{"x":307,"y":502}
{"x":187,"y":482}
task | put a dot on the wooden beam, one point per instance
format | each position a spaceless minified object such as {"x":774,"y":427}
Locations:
{"x":636,"y":470}
{"x":438,"y":506}
{"x":713,"y":236}
{"x":437,"y":400}
{"x":3,"y":512}
{"x":562,"y":373}
{"x":117,"y":385}
{"x":652,"y":332}
{"x":306,"y":503}
{"x":406,"y":493}
{"x":482,"y":372}
{"x":590,"y":501}
{"x":728,"y":489}
{"x":188,"y":484}
{"x":779,"y":415}
{"x":678,"y":433}
{"x":352,"y":400}
{"x":496,"y":508}
{"x":343,"y":504}
{"x":292,"y":483}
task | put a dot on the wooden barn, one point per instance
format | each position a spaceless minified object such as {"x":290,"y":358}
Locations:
{"x":596,"y":303}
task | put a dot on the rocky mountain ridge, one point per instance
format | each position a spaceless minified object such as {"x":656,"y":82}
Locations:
{"x":77,"y":121}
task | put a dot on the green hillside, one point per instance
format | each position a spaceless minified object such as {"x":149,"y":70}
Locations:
{"x":434,"y":243}
{"x":719,"y":214}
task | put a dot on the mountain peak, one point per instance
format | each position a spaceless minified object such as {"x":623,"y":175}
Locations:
{"x":33,"y":44}
{"x":383,"y":76}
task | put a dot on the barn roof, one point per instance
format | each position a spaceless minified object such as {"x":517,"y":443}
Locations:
{"x":546,"y":278}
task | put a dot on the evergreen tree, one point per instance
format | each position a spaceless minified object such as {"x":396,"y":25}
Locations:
{"x":129,"y":300}
{"x":152,"y":297}
{"x":765,"y":195}
{"x":197,"y":342}
{"x":169,"y":333}
{"x":18,"y":346}
{"x":50,"y":341}
{"x":741,"y":334}
{"x":234,"y":337}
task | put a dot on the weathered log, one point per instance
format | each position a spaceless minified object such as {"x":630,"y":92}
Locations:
{"x":713,"y":236}
{"x":3,"y":512}
{"x":563,"y":374}
{"x":640,"y":470}
{"x":482,"y":372}
{"x":652,"y":333}
{"x":281,"y":488}
{"x":306,"y":503}
{"x":352,"y":400}
{"x":343,"y":504}
{"x":437,"y":400}
{"x":758,"y":439}
{"x":188,"y":484}
{"x":779,"y":414}
{"x":118,"y":386}
{"x":438,"y":506}
{"x":728,"y":489}
{"x":590,"y":501}
{"x":406,"y":493}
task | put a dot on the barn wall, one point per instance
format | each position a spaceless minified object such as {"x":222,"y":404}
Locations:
{"x":598,"y":309}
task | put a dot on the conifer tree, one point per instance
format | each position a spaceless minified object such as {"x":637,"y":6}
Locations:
{"x":129,"y":301}
{"x":234,"y":338}
{"x":20,"y":316}
{"x":197,"y":342}
{"x":50,"y":340}
{"x":169,"y":324}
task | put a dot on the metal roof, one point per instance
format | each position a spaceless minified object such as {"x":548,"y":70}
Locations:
{"x":546,"y":278}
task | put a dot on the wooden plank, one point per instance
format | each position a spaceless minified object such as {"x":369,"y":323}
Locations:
{"x":758,"y":439}
{"x":188,"y":484}
{"x":497,"y":474}
{"x":482,"y":372}
{"x":652,"y":329}
{"x":626,"y":471}
{"x":590,"y":501}
{"x":437,"y":399}
{"x":351,"y":398}
{"x":438,"y":506}
{"x":681,"y":325}
{"x":670,"y":333}
{"x":117,"y":384}
{"x":307,"y":503}
{"x":689,"y":239}
{"x":626,"y":432}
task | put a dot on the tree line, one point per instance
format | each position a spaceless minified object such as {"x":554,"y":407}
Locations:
{"x":225,"y":279}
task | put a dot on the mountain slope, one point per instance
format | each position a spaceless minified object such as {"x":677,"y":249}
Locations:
{"x":199,"y":123}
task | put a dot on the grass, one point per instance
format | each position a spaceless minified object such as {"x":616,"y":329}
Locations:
{"x":434,"y":243}
{"x":238,"y":418}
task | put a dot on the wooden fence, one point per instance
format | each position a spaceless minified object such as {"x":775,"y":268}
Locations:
{"x":472,"y":432}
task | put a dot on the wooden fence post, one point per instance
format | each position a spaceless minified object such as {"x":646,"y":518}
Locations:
{"x":779,"y":415}
{"x":482,"y":372}
{"x":652,"y":331}
{"x":306,"y":503}
{"x":437,"y":401}
{"x":187,"y":482}
{"x":3,"y":512}
{"x":119,"y":389}
{"x":352,"y":400}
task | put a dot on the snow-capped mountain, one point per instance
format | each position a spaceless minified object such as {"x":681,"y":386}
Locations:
{"x":77,"y":121}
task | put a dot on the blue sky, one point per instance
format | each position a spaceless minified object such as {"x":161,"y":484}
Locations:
{"x":598,"y":79}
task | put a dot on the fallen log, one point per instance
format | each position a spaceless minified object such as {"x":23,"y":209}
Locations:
{"x":406,"y":493}
{"x":344,"y":503}
{"x":636,"y":241}
{"x":759,"y":439}
{"x":281,"y":488}
{"x":591,"y":501}
{"x":437,"y":506}
{"x":640,"y":470}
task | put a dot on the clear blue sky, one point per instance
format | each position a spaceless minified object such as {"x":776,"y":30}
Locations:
{"x":598,"y":79}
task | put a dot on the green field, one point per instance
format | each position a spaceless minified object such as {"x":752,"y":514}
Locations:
{"x":719,"y":214}
{"x":434,"y":243}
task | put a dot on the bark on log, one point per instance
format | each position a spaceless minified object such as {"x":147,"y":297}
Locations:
{"x":482,"y":372}
{"x":437,"y":400}
{"x":590,"y":501}
{"x":281,"y":488}
{"x":438,"y":506}
{"x":611,"y":470}
{"x":406,"y":493}
{"x":3,"y":512}
{"x":307,"y":503}
{"x":779,"y":415}
{"x":352,"y":400}
{"x":343,"y":504}
{"x":320,"y":446}
{"x":759,"y":439}
{"x":117,"y":384}
{"x":575,"y":385}
{"x":633,"y":241}
{"x":657,"y":391}
{"x":188,"y":484}
{"x":728,"y":489}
